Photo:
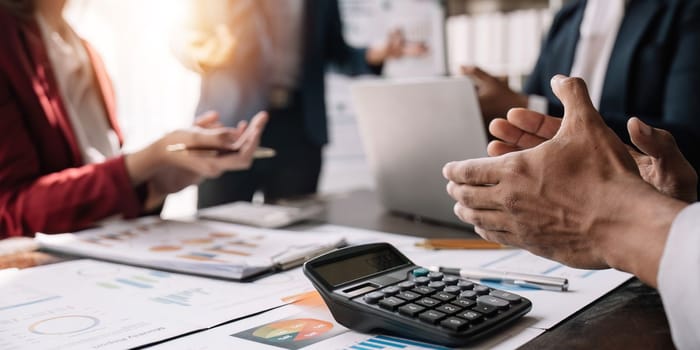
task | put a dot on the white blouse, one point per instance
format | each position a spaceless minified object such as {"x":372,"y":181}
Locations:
{"x":80,"y":94}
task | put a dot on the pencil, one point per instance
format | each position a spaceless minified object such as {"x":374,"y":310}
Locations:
{"x":459,"y":243}
{"x":260,"y":152}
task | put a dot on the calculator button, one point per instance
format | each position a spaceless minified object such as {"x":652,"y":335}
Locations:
{"x":373,"y":298}
{"x":405,"y":285}
{"x":421,"y":281}
{"x":423,"y":290}
{"x":481,"y":290}
{"x":451,"y":280}
{"x":484,"y":309}
{"x":390,"y":290}
{"x":492,"y":301}
{"x":448,"y":309}
{"x":420,"y":272}
{"x":431,"y":316}
{"x":464,"y":303}
{"x":391,"y":303}
{"x":411,"y":310}
{"x":455,"y":324}
{"x":408,"y":295}
{"x":439,"y":285}
{"x":428,"y":302}
{"x":465,"y":285}
{"x":435,"y":276}
{"x":512,"y":298}
{"x":467,"y":294}
{"x":471,"y":316}
{"x":452,"y":289}
{"x":442,"y":296}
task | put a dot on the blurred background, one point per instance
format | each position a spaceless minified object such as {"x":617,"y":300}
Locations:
{"x":501,"y":36}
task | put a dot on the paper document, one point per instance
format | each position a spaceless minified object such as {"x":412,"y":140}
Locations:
{"x":548,"y":307}
{"x":204,"y":248}
{"x":98,"y":305}
{"x":309,"y":325}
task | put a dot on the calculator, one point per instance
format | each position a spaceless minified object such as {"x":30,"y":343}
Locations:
{"x":373,"y":288}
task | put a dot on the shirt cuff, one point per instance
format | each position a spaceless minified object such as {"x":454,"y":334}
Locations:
{"x":538,"y":104}
{"x":677,"y":279}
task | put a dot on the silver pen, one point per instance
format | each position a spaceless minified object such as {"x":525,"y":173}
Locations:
{"x":514,"y":278}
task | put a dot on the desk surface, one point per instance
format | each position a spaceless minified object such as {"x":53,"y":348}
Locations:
{"x":629,"y":317}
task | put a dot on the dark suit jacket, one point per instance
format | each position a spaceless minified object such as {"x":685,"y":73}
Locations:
{"x":654,"y":70}
{"x":44,"y":185}
{"x":323,"y":46}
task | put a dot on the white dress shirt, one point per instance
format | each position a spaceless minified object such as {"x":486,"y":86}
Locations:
{"x":679,"y":278}
{"x":597,"y":36}
{"x":80,"y":94}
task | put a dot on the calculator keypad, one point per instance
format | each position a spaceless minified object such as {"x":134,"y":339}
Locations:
{"x":442,"y":300}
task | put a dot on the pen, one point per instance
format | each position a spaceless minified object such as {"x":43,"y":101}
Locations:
{"x":514,"y":278}
{"x":260,"y":152}
{"x":459,"y":243}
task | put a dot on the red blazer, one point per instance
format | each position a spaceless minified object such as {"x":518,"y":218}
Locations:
{"x":44,"y":184}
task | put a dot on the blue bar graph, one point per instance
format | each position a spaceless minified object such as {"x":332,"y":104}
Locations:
{"x":133,"y":283}
{"x":386,"y":342}
{"x":182,"y":298}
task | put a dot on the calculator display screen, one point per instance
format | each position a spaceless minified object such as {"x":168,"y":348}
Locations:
{"x":350,"y":269}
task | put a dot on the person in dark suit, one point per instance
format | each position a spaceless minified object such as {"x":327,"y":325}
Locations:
{"x":639,"y":57}
{"x":273,"y":55}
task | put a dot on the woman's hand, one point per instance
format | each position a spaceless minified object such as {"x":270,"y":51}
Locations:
{"x":168,"y":172}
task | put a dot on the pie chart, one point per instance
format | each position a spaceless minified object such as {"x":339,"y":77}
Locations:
{"x":290,"y":331}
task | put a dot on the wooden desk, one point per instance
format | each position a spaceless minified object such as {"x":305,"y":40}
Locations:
{"x":630,"y":317}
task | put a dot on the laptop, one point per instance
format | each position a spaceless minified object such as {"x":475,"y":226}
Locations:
{"x":410,"y":129}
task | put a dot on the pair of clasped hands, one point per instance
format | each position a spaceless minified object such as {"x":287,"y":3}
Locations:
{"x":570,"y":190}
{"x":165,"y":171}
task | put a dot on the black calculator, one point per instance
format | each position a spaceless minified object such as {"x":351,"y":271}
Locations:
{"x":373,"y":288}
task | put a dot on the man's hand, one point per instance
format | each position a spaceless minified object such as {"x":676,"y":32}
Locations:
{"x":577,"y":198}
{"x":660,"y":162}
{"x":495,"y":97}
{"x":395,"y":47}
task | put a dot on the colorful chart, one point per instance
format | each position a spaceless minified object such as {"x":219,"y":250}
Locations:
{"x":222,"y":235}
{"x":290,"y":334}
{"x":224,"y":250}
{"x":165,"y":248}
{"x":197,"y":256}
{"x":197,"y":241}
{"x":62,"y":325}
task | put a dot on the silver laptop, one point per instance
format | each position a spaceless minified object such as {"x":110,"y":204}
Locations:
{"x":410,"y":130}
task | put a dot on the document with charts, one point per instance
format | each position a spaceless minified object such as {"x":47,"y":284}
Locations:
{"x":204,"y":248}
{"x":89,"y":304}
{"x":308,"y":324}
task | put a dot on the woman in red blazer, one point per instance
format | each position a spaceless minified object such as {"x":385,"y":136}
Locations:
{"x":46,"y":185}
